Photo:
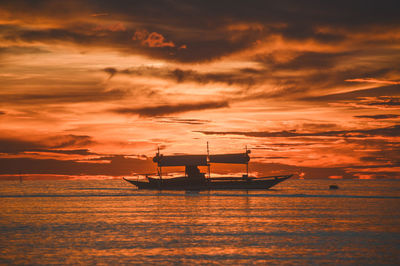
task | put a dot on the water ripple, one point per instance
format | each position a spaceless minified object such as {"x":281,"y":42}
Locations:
{"x":202,"y":195}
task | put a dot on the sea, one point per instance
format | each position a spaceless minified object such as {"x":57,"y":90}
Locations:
{"x":110,"y":222}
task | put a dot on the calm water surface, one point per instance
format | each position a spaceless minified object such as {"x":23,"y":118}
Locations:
{"x":110,"y":222}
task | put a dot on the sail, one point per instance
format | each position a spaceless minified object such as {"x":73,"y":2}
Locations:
{"x":235,"y":158}
{"x":201,"y":160}
{"x":181,"y":160}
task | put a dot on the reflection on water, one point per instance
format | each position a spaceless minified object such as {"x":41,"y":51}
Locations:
{"x":298,"y":222}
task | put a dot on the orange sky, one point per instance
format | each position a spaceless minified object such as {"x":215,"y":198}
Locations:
{"x":91,"y":88}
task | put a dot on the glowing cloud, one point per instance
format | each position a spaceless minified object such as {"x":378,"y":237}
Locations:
{"x":372,"y":80}
{"x":335,"y":177}
{"x":153,"y":39}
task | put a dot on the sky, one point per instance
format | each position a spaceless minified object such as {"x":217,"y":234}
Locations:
{"x":91,"y":89}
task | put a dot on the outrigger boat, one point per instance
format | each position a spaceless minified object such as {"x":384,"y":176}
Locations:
{"x":195,"y":180}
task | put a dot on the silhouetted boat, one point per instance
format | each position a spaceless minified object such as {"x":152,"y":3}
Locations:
{"x":195,"y":180}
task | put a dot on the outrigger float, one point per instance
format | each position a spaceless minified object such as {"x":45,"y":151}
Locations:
{"x":195,"y":180}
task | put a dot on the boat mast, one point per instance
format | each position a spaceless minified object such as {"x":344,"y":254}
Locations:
{"x":159,"y":169}
{"x":208,"y":162}
{"x":247,"y":164}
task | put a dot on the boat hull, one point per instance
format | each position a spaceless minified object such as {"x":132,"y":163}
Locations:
{"x":186,"y":184}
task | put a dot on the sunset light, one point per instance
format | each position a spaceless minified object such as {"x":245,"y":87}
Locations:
{"x":93,"y":89}
{"x":199,"y":132}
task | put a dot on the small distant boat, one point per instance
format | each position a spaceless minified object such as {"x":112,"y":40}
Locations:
{"x":333,"y":187}
{"x":195,"y":180}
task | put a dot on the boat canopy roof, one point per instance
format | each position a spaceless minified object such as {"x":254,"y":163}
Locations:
{"x":234,"y":158}
{"x":180,"y":160}
{"x":201,"y":160}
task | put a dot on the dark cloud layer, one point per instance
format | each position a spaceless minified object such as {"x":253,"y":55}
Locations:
{"x":187,"y":121}
{"x":392,"y":131}
{"x":387,"y":116}
{"x":166,"y":109}
{"x":9,"y":145}
{"x":209,"y":31}
{"x":385,"y":101}
{"x":379,"y":92}
{"x":72,"y":96}
{"x":202,"y":26}
{"x":180,"y":75}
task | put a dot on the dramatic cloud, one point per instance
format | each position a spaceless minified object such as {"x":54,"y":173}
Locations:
{"x":51,"y":144}
{"x":371,"y":80}
{"x":392,"y":131}
{"x":160,"y":110}
{"x":153,"y":39}
{"x":377,"y":92}
{"x":241,"y":77}
{"x":208,"y":30}
{"x":387,"y":116}
{"x":312,"y":87}
{"x":187,"y":121}
{"x":382,"y":101}
{"x":65,"y":97}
